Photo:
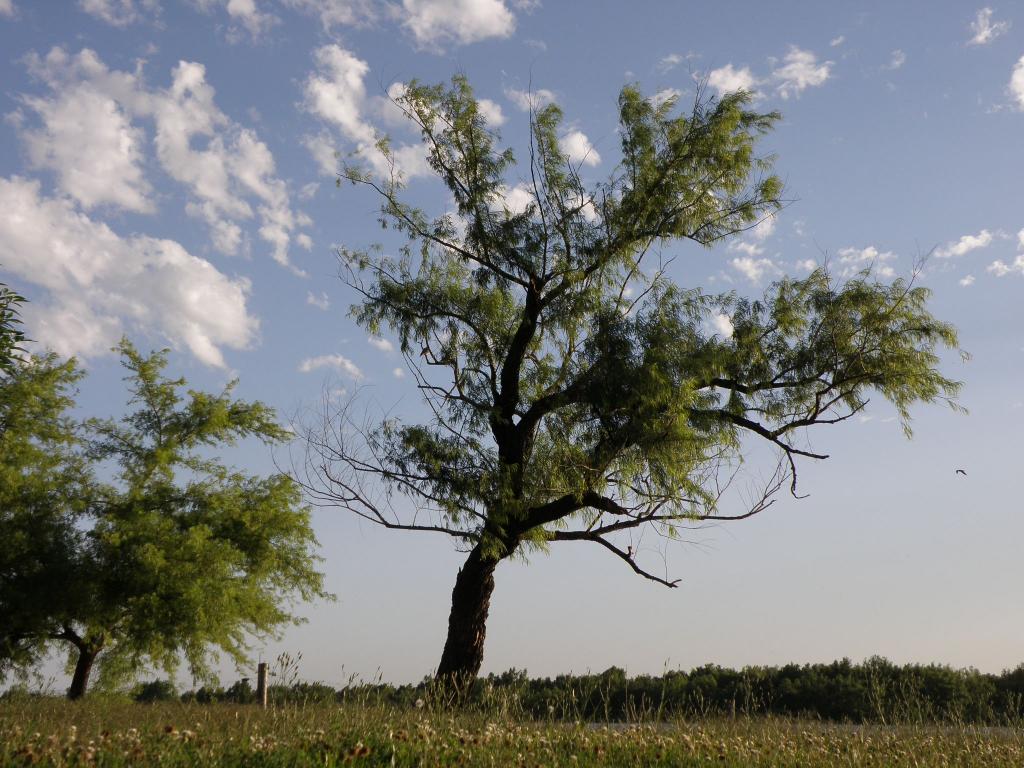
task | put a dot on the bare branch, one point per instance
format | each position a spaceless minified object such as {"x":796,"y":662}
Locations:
{"x":626,"y":556}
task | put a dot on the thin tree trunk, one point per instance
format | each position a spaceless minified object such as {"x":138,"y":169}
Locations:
{"x":83,"y":667}
{"x":467,"y":624}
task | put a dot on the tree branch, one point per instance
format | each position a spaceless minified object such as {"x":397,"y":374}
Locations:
{"x":626,"y":556}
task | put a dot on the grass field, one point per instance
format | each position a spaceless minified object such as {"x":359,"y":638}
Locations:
{"x":44,"y":731}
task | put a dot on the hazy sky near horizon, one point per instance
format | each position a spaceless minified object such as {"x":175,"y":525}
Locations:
{"x":167,"y":172}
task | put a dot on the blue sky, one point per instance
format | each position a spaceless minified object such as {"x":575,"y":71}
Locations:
{"x":167,"y":172}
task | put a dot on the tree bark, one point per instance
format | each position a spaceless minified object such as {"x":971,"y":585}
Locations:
{"x":467,"y":624}
{"x":83,"y":667}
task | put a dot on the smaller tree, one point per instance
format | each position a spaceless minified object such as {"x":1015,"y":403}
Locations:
{"x":43,"y":479}
{"x":179,"y":556}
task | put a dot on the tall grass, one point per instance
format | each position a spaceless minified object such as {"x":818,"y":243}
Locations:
{"x":115,"y":732}
{"x":874,"y":714}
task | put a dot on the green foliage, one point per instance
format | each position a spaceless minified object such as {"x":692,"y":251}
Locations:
{"x":155,"y":690}
{"x":11,"y":334}
{"x":241,"y":692}
{"x":177,"y":556}
{"x":44,"y":484}
{"x":576,"y":390}
{"x":874,"y":691}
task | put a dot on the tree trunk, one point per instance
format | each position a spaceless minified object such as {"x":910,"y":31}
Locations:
{"x":467,"y":625}
{"x":86,"y":656}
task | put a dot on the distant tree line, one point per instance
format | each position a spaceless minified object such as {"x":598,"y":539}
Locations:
{"x":875,"y":691}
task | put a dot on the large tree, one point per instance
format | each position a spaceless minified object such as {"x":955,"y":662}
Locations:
{"x":129,"y":541}
{"x":576,"y":391}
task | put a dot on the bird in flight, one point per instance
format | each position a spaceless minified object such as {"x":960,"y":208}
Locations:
{"x":960,"y":472}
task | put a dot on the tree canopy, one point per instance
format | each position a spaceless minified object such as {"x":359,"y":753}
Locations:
{"x":43,"y":481}
{"x":127,"y":540}
{"x":575,"y":390}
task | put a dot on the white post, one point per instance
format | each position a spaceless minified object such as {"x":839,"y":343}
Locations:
{"x":261,"y":684}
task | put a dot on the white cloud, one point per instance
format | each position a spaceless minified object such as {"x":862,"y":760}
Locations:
{"x":410,"y":160}
{"x":308,"y":191}
{"x":245,"y":13}
{"x":966,"y":281}
{"x":1001,"y":269}
{"x":321,"y":147}
{"x":382,"y":344}
{"x":965,"y":245}
{"x":398,"y":373}
{"x":854,"y":260}
{"x":120,"y":13}
{"x":764,"y":229}
{"x":587,"y":208}
{"x":90,"y":143}
{"x":249,"y":14}
{"x":1020,"y":239}
{"x":983,"y":30}
{"x":7,"y":8}
{"x":391,"y":108}
{"x":664,"y":95}
{"x":728,"y":79}
{"x":434,"y":23}
{"x":669,"y":62}
{"x":226,"y":169}
{"x":515,"y":200}
{"x":751,"y":249}
{"x":756,"y":235}
{"x":1017,"y":83}
{"x":336,"y":93}
{"x":722,"y":324}
{"x":806,"y":265}
{"x":320,"y":301}
{"x":527,"y":100}
{"x":897,"y":59}
{"x":837,"y":41}
{"x":754,"y":269}
{"x":800,"y":70}
{"x":491,"y":112}
{"x":578,"y":149}
{"x":334,"y":13}
{"x":100,"y":285}
{"x":233,"y":162}
{"x":338,"y":362}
